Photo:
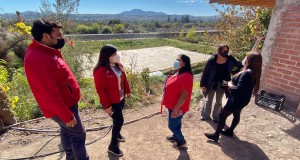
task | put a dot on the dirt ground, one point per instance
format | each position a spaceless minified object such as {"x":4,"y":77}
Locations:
{"x":261,"y":134}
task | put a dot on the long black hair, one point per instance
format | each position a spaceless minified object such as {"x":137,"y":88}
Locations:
{"x":105,"y":52}
{"x":187,"y":67}
{"x":254,"y":63}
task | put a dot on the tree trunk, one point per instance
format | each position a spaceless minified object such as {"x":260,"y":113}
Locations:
{"x":6,"y":116}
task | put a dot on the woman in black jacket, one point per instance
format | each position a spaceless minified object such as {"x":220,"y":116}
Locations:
{"x":217,"y":69}
{"x":242,"y":86}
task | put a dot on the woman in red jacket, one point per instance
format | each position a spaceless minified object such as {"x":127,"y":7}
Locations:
{"x":177,"y":97}
{"x":112,"y":87}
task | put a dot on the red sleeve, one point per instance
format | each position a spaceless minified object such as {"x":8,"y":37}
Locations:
{"x":44,"y":78}
{"x":100,"y":80}
{"x":186,"y":82}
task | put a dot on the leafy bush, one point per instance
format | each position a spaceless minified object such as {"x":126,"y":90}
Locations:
{"x":119,"y":28}
{"x":14,"y":83}
{"x":84,"y":29}
{"x":95,"y":28}
{"x":24,"y":105}
{"x":89,"y":94}
{"x":143,"y":88}
{"x":192,"y":36}
{"x":196,"y":95}
{"x":106,"y":30}
{"x":181,"y":34}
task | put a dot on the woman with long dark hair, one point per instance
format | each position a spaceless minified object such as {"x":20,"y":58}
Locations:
{"x":242,"y":86}
{"x":177,"y":96}
{"x":112,"y":87}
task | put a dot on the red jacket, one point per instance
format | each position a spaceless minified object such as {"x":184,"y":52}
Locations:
{"x":106,"y":83}
{"x":52,"y":83}
{"x":174,"y":85}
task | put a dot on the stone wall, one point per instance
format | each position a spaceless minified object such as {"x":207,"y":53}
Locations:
{"x":87,"y":37}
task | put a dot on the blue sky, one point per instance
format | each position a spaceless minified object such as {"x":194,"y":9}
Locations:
{"x":191,"y":7}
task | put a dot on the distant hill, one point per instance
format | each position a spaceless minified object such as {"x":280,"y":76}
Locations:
{"x":133,"y":15}
{"x":139,"y":12}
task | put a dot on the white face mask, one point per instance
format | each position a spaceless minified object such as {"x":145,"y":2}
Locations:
{"x":244,"y":61}
{"x":114,"y":59}
{"x":117,"y":58}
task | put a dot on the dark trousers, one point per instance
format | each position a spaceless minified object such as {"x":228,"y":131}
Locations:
{"x":223,"y":116}
{"x":73,"y":138}
{"x":118,"y":121}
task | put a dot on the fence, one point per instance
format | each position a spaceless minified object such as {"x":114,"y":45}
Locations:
{"x":87,"y":37}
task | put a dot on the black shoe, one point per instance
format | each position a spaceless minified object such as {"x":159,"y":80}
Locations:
{"x":212,"y":136}
{"x":171,"y":139}
{"x":227,"y":133}
{"x":203,"y":119}
{"x":179,"y":144}
{"x":216,"y":121}
{"x":115,"y":151}
{"x":121,"y":138}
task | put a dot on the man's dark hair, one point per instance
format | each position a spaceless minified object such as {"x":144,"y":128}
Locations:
{"x":41,"y":26}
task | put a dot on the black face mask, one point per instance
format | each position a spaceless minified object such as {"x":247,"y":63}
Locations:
{"x":60,"y":44}
{"x":224,"y":53}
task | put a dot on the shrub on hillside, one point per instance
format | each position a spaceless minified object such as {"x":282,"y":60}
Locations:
{"x":119,"y":28}
{"x":106,"y":30}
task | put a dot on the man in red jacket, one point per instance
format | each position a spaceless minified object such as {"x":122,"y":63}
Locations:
{"x":54,"y":86}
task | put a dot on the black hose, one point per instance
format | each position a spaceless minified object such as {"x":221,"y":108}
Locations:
{"x":90,"y":129}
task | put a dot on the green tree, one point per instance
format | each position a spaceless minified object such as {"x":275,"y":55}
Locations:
{"x":83,"y":29}
{"x":114,"y":22}
{"x":157,"y":24}
{"x":169,"y":18}
{"x":95,"y":28}
{"x":181,"y":34}
{"x":192,"y":35}
{"x":106,"y":30}
{"x":60,"y":10}
{"x":187,"y":19}
{"x":119,"y":28}
{"x":242,"y":27}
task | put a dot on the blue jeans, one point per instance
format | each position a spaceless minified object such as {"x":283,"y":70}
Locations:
{"x":73,"y":138}
{"x":175,"y":126}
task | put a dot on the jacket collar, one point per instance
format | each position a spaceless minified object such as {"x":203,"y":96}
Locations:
{"x":47,"y":49}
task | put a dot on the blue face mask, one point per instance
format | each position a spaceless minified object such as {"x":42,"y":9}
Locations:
{"x":176,"y":65}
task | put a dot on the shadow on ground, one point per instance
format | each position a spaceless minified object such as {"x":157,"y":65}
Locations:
{"x":287,"y":113}
{"x":294,"y":131}
{"x":184,"y":155}
{"x":238,"y":149}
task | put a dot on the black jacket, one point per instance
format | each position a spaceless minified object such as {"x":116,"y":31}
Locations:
{"x":210,"y":71}
{"x":240,"y":94}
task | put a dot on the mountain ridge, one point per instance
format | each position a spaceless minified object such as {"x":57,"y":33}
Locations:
{"x":132,"y":15}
